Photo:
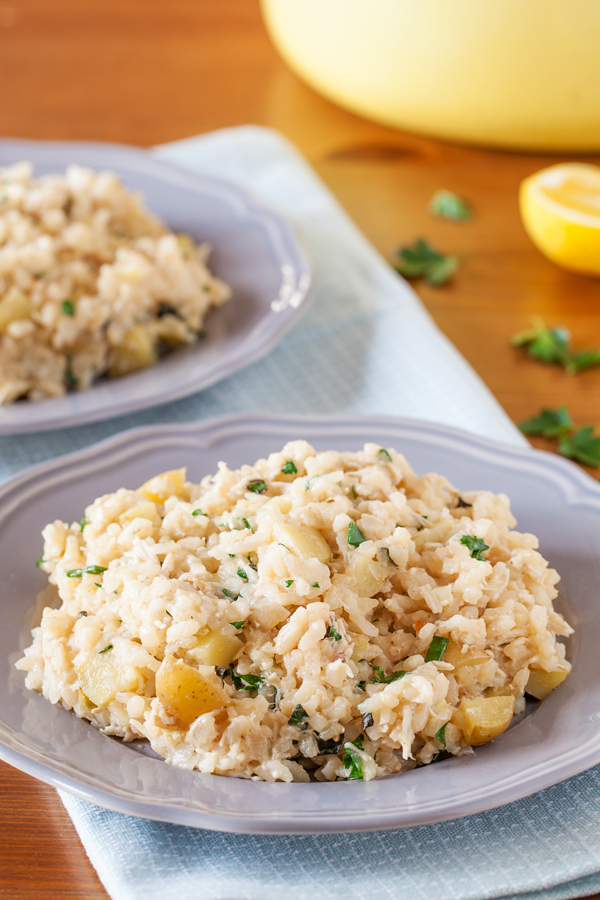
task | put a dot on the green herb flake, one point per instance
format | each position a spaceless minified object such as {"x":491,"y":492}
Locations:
{"x":354,"y":494}
{"x":359,"y":741}
{"x":379,"y":676}
{"x":475,"y":545}
{"x":361,"y":685}
{"x":333,"y":634}
{"x":355,"y":535}
{"x":441,"y":735}
{"x":229,"y":594}
{"x":367,"y":721}
{"x":550,"y":345}
{"x":245,"y":682}
{"x":106,"y":649}
{"x":39,"y":561}
{"x":198,"y":512}
{"x":447,"y":205}
{"x":289,"y":468}
{"x":436,"y":649}
{"x":289,"y":582}
{"x":315,"y":585}
{"x":88,"y":570}
{"x":420,"y":260}
{"x":246,"y":524}
{"x":97,"y":585}
{"x":581,"y":446}
{"x":82,"y":614}
{"x":352,"y":763}
{"x":548,"y":423}
{"x":68,"y":307}
{"x":241,"y":574}
{"x":82,"y":523}
{"x":258,"y":486}
{"x":297,"y":718}
{"x":70,"y":379}
{"x":238,"y":625}
{"x":385,"y":454}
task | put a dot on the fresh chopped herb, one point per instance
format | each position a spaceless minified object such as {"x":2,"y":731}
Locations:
{"x":238,"y":625}
{"x":289,"y":468}
{"x":553,"y":345}
{"x":355,"y":535}
{"x":245,"y":682}
{"x":222,"y":673}
{"x":379,"y":676}
{"x":354,"y":494}
{"x":436,"y":649}
{"x":420,"y":527}
{"x":70,"y":379}
{"x":106,"y":649}
{"x":241,"y":574}
{"x":441,"y":735}
{"x":331,"y":746}
{"x":97,"y":585}
{"x":420,"y":260}
{"x":359,"y":741}
{"x":258,"y":486}
{"x":447,"y":205}
{"x":229,"y":594}
{"x":475,"y":545}
{"x":82,"y":523}
{"x":386,"y":552}
{"x":361,"y":685}
{"x":88,"y":570}
{"x":297,"y":718}
{"x":581,"y":446}
{"x":232,"y":555}
{"x":548,"y":423}
{"x":68,"y":307}
{"x":585,"y":359}
{"x":83,"y":615}
{"x":462,"y":504}
{"x":383,"y":452}
{"x":289,"y":582}
{"x":353,"y":763}
{"x":315,"y":584}
{"x":246,"y":524}
{"x":198,"y":512}
{"x":332,"y":634}
{"x":367,"y":721}
{"x":39,"y":561}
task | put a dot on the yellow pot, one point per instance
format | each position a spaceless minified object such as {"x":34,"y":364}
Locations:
{"x":514,"y":73}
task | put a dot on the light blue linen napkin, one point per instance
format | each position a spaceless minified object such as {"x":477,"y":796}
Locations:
{"x":367,"y":345}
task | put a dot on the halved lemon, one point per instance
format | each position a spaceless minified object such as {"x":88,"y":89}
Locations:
{"x":560,"y":208}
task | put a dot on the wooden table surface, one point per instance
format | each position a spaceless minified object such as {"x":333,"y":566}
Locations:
{"x":145,"y":72}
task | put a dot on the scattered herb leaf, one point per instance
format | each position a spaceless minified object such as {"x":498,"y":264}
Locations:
{"x":379,"y":676}
{"x":238,"y":625}
{"x":297,"y":718}
{"x":420,"y":260}
{"x":258,"y":486}
{"x":82,"y":614}
{"x":441,"y":735}
{"x":581,"y":445}
{"x":436,"y":649}
{"x":289,"y":468}
{"x":82,"y":523}
{"x":39,"y":561}
{"x":548,"y":423}
{"x":359,"y":741}
{"x":475,"y":545}
{"x":97,"y":585}
{"x":241,"y":574}
{"x":553,"y":345}
{"x":355,"y":535}
{"x":315,"y":585}
{"x":383,"y":452}
{"x":447,"y":205}
{"x":332,"y":634}
{"x":88,"y":570}
{"x":367,"y":721}
{"x":331,"y":746}
{"x":289,"y":582}
{"x":68,"y":307}
{"x":353,"y":763}
{"x":245,"y":682}
{"x":462,"y":504}
{"x":229,"y":594}
{"x":108,"y":647}
{"x":361,"y":685}
{"x":198,"y":512}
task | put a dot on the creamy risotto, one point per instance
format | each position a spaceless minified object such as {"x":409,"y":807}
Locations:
{"x":327,"y":614}
{"x":91,"y":283}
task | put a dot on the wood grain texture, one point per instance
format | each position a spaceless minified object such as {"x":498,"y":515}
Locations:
{"x":145,"y":72}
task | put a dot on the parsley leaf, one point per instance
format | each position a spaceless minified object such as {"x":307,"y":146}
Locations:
{"x":550,"y":345}
{"x":421,"y":261}
{"x":297,"y":718}
{"x":108,"y":647}
{"x":441,"y":735}
{"x":548,"y":423}
{"x":241,"y":574}
{"x":475,"y":546}
{"x":238,"y":625}
{"x":88,"y":570}
{"x":245,"y":682}
{"x":333,"y":745}
{"x":447,"y":205}
{"x":82,"y":523}
{"x":289,"y":582}
{"x":353,"y":763}
{"x":385,"y":453}
{"x":359,"y":741}
{"x":39,"y":561}
{"x":355,"y":535}
{"x":229,"y":594}
{"x":332,"y":634}
{"x":379,"y":676}
{"x":68,"y":307}
{"x":258,"y":486}
{"x":70,"y":379}
{"x":316,"y":585}
{"x":436,"y":649}
{"x":289,"y":468}
{"x":198,"y":512}
{"x":581,"y":445}
{"x":585,"y":359}
{"x":361,"y":685}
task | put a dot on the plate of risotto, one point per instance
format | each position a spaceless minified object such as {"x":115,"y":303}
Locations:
{"x":126,"y":282}
{"x":289,"y":625}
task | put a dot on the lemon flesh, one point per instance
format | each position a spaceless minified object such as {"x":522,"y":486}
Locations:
{"x":560,"y":209}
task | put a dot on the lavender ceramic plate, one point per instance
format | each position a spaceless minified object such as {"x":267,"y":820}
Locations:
{"x":554,"y":740}
{"x":254,"y":250}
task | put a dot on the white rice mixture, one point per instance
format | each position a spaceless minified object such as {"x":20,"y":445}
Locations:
{"x":90,"y":282}
{"x":317,"y":613}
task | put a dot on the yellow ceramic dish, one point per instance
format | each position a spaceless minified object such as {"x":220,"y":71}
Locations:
{"x":503,"y":72}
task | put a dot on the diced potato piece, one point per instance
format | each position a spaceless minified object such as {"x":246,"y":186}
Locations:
{"x":14,"y":305}
{"x":361,"y":642}
{"x":368,"y":574}
{"x":163,"y":486}
{"x":303,"y":541}
{"x":102,"y":675}
{"x":458,"y":659}
{"x":173,"y":331}
{"x":146,"y":510}
{"x":216,"y":649}
{"x":486,"y":717}
{"x":186,"y":694}
{"x":136,"y":351}
{"x":541,"y":683}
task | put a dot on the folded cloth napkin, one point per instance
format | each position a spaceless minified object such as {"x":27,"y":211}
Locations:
{"x":367,"y":345}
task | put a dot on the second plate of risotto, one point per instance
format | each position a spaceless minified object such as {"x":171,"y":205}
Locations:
{"x":126,"y":282}
{"x":266,"y":624}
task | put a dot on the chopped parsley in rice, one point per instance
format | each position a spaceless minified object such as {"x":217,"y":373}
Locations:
{"x":91,"y":283}
{"x":318,"y":614}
